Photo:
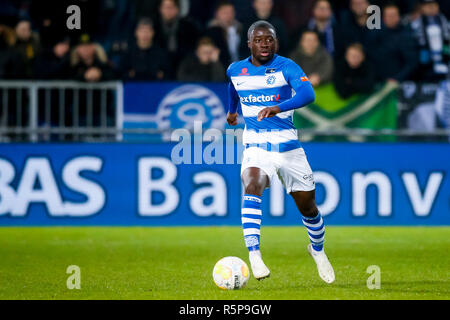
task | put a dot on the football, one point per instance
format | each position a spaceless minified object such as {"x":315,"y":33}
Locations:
{"x":230,"y":273}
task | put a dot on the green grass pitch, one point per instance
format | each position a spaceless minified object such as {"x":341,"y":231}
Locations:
{"x":177,"y":262}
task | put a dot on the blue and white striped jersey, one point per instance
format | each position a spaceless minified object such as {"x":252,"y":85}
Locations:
{"x":265,"y":86}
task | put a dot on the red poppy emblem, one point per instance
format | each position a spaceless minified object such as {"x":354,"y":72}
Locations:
{"x":244,"y":72}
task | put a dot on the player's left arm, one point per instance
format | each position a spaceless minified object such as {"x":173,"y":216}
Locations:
{"x":304,"y":92}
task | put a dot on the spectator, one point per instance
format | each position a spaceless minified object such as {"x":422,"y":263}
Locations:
{"x":413,"y":15}
{"x":444,"y":6}
{"x":10,"y":64}
{"x":324,"y":24}
{"x":149,"y":8}
{"x":432,"y":33}
{"x":27,"y":45}
{"x":396,"y":51}
{"x":225,"y":31}
{"x":175,"y":34}
{"x":313,"y":59}
{"x":354,"y":74}
{"x":8,"y":12}
{"x":54,"y":63}
{"x":144,"y":60}
{"x":204,"y":66}
{"x":354,"y":29}
{"x":47,"y":18}
{"x":116,"y":23}
{"x":263,"y":10}
{"x":146,"y":9}
{"x":201,"y":11}
{"x":89,"y":62}
{"x":50,"y":19}
{"x":294,"y":13}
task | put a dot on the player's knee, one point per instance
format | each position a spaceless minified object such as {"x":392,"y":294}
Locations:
{"x":254,"y":188}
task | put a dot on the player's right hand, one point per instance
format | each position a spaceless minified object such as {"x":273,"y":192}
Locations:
{"x":232,"y":118}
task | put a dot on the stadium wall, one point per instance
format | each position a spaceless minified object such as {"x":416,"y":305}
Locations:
{"x":139,"y":184}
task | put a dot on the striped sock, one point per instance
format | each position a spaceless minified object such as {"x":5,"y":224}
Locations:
{"x":251,"y":221}
{"x":316,"y":231}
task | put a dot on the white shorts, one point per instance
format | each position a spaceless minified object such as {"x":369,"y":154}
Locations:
{"x":292,"y":167}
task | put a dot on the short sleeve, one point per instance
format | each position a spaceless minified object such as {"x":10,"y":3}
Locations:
{"x":229,"y":71}
{"x":294,"y":75}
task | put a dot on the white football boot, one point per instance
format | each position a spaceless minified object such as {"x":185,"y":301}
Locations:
{"x":324,"y":267}
{"x":259,"y":269}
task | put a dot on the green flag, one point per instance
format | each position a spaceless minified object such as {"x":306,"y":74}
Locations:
{"x":369,"y":111}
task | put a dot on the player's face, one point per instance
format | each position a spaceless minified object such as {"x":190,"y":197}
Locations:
{"x":263,"y":44}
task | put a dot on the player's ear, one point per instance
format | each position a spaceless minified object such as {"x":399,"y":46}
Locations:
{"x":248,"y":44}
{"x":277,"y":45}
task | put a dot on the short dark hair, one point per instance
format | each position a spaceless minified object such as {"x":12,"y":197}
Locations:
{"x":146,"y":21}
{"x":223,"y":3}
{"x":205,"y":41}
{"x":310,"y":32}
{"x":327,"y":1}
{"x":391,"y":5}
{"x":175,"y":2}
{"x":260,"y":24}
{"x":357,"y":46}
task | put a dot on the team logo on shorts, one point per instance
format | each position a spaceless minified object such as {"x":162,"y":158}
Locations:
{"x":271,"y":80}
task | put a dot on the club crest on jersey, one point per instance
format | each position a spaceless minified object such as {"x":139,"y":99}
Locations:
{"x":271,"y":80}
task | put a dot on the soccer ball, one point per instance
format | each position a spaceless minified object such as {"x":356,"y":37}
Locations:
{"x":230,"y":273}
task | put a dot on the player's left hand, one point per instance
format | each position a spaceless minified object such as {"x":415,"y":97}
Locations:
{"x":268,"y":112}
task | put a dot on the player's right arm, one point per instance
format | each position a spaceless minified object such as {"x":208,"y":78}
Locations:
{"x":233,"y":102}
{"x":298,"y":81}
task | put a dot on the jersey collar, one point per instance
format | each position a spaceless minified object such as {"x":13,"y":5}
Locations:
{"x":249,"y":59}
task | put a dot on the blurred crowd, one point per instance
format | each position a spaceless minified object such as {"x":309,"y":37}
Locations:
{"x":196,"y":40}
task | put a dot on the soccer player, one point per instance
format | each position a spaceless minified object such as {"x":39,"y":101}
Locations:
{"x":264,"y":85}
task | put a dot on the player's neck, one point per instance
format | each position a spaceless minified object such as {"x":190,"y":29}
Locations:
{"x":258,"y":63}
